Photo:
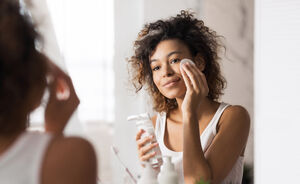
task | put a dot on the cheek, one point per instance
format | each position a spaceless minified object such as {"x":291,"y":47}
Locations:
{"x":176,"y":68}
{"x":177,"y":71}
{"x":156,"y":80}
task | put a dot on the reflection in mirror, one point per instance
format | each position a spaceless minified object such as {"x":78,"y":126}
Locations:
{"x":236,"y":66}
{"x":186,"y":97}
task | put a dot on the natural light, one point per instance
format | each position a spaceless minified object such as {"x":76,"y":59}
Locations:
{"x":84,"y":31}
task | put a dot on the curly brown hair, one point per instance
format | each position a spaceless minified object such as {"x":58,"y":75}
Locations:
{"x":198,"y":38}
{"x":22,"y":68}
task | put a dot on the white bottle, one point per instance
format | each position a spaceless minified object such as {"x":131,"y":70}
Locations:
{"x":149,"y":175}
{"x":167,"y":174}
{"x":143,"y":121}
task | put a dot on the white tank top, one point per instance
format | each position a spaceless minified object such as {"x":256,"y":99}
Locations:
{"x":206,"y":138}
{"x":22,"y":162}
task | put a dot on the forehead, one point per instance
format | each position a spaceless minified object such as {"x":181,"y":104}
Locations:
{"x":167,"y":46}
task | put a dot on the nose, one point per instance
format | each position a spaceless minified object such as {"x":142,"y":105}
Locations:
{"x":167,"y":70}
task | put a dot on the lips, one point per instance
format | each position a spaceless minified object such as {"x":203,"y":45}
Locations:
{"x":171,"y":82}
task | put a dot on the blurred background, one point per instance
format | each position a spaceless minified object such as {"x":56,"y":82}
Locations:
{"x":261,"y":64}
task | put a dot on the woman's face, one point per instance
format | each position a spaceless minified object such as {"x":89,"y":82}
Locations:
{"x":165,"y":66}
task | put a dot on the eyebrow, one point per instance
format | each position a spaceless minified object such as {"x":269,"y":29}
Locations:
{"x":170,"y":54}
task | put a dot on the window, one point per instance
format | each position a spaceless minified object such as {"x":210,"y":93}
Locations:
{"x":84,"y":31}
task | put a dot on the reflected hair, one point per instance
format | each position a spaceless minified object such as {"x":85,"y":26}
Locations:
{"x":198,"y":38}
{"x":22,"y":68}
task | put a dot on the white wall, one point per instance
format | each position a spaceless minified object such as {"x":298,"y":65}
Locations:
{"x":234,"y":19}
{"x":157,"y":9}
{"x":277,"y":89}
{"x":128,"y":21}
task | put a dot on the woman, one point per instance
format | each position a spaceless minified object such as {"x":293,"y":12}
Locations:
{"x":205,"y":138}
{"x":31,"y":157}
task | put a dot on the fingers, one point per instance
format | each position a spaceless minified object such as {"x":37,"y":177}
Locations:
{"x":62,"y":90}
{"x":139,"y":134}
{"x":63,"y":100}
{"x":193,"y":75}
{"x":52,"y":89}
{"x":57,"y":78}
{"x":70,"y":87}
{"x":197,"y":79}
{"x":186,"y":79}
{"x":147,"y":156}
{"x":202,"y":82}
{"x":142,"y":142}
{"x":145,"y":152}
{"x":145,"y":146}
{"x":59,"y":81}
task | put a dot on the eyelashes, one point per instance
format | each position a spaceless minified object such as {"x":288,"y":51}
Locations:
{"x":155,"y":68}
{"x":173,"y":61}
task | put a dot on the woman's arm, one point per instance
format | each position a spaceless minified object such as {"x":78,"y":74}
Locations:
{"x":222,"y":154}
{"x":228,"y":144}
{"x":195,"y":165}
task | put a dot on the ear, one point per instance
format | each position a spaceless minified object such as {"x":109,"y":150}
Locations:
{"x":200,"y":62}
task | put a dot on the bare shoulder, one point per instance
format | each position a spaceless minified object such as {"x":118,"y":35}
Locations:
{"x":235,"y":116}
{"x":154,"y":120}
{"x":69,"y":160}
{"x":68,"y":145}
{"x":236,"y":111}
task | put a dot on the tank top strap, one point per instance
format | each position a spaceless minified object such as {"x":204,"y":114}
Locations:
{"x":160,"y":125}
{"x":217,"y":116}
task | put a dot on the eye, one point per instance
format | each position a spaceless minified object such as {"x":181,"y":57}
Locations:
{"x":175,"y":60}
{"x":155,"y":68}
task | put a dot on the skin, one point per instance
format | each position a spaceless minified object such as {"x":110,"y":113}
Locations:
{"x":186,"y":123}
{"x":58,"y":112}
{"x":65,"y":160}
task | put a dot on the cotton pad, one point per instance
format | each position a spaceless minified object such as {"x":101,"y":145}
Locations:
{"x":186,"y":61}
{"x":62,"y":90}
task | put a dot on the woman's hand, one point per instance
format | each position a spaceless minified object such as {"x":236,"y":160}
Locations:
{"x":59,"y":107}
{"x":196,"y":87}
{"x":145,"y":146}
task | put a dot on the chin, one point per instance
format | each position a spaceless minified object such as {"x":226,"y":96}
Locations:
{"x":175,"y":93}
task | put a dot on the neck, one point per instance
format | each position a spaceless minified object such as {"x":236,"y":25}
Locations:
{"x":203,"y":109}
{"x":7,"y":140}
